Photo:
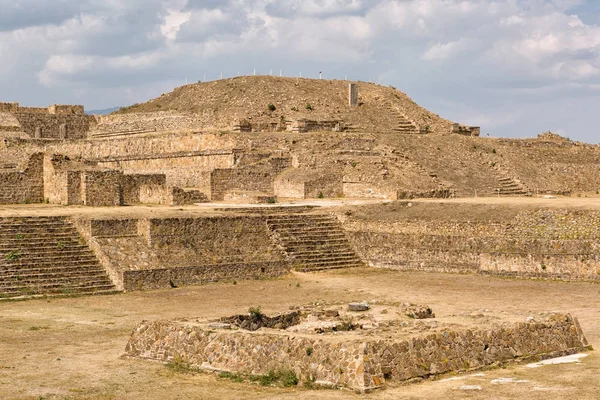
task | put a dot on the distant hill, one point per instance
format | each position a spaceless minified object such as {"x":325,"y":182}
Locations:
{"x":105,"y":111}
{"x":268,"y":101}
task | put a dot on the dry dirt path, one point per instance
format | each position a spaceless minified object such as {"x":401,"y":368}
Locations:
{"x":70,"y":348}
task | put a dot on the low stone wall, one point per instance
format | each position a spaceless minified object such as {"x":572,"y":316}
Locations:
{"x":25,"y":186}
{"x":101,"y":188}
{"x":359,"y":363}
{"x":545,"y":243}
{"x":164,"y":252}
{"x":162,"y":278}
{"x":132,"y":184}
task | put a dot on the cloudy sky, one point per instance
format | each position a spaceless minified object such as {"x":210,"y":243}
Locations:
{"x":515,"y":67}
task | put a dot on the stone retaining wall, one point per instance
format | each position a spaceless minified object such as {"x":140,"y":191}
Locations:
{"x":25,"y":186}
{"x":162,"y":252}
{"x":543,"y":243}
{"x":355,"y":362}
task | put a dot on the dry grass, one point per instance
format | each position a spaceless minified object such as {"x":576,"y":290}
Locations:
{"x":77,"y":354}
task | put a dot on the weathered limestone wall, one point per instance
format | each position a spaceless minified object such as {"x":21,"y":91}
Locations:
{"x":256,"y":178}
{"x":25,"y":186}
{"x":101,"y":188}
{"x":125,"y":124}
{"x":471,"y":349}
{"x":545,"y":243}
{"x":357,"y":363}
{"x":159,"y":253}
{"x":132,"y":187}
{"x":55,"y":122}
{"x":181,"y":169}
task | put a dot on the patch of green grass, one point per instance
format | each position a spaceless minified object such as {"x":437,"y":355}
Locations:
{"x":12,"y":255}
{"x":309,"y":107}
{"x":282,"y":377}
{"x":179,"y":365}
{"x":235,"y":377}
{"x":19,"y":236}
{"x":38,"y":328}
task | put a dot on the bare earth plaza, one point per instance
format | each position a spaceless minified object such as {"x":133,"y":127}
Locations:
{"x":270,"y":237}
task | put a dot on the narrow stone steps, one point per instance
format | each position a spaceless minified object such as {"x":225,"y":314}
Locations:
{"x":322,"y":259}
{"x":25,"y":249}
{"x":317,"y":267}
{"x":53,"y":289}
{"x":58,"y":237}
{"x":44,"y":270}
{"x":45,"y":256}
{"x":40,"y":262}
{"x":72,"y":278}
{"x":314,"y":242}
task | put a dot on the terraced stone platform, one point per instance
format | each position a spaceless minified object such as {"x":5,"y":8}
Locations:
{"x":313,"y":242}
{"x":47,"y":256}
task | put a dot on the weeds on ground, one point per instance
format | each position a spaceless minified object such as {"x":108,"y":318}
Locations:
{"x":281,"y":377}
{"x":179,"y":365}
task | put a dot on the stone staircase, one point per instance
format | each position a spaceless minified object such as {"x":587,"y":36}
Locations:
{"x":313,"y":242}
{"x":404,"y":126}
{"x":508,"y":186}
{"x":47,"y":256}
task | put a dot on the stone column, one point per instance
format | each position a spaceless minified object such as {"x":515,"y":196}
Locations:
{"x":353,"y":94}
{"x":38,"y":132}
{"x":62,"y":131}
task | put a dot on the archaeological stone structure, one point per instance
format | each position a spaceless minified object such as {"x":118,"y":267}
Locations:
{"x":360,"y":351}
{"x":264,"y":140}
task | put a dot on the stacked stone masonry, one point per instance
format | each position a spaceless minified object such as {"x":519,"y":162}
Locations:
{"x":313,"y":242}
{"x":360,"y":363}
{"x":544,"y":243}
{"x":47,"y":256}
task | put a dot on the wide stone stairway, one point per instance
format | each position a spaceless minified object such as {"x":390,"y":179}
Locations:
{"x":47,"y":256}
{"x":313,"y":242}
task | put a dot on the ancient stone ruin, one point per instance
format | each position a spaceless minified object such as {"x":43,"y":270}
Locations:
{"x":359,"y":350}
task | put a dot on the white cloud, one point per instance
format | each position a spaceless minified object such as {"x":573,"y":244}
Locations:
{"x":173,"y":21}
{"x":477,"y":53}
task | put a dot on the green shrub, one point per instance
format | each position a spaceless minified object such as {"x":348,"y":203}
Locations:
{"x":294,"y":108}
{"x":271,"y":107}
{"x":309,"y":107}
{"x":12,"y":255}
{"x":320,"y":195}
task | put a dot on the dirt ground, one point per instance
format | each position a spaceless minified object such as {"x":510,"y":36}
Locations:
{"x":70,"y":348}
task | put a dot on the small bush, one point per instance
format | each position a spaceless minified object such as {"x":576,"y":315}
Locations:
{"x":309,"y":107}
{"x":179,"y":365}
{"x":284,"y":377}
{"x":271,"y":200}
{"x":494,"y":151}
{"x":294,"y":108}
{"x":271,"y":107}
{"x":543,"y":266}
{"x":320,"y":195}
{"x":353,"y":164}
{"x":19,"y":236}
{"x":231,"y":375}
{"x":255,"y":314}
{"x":309,"y":351}
{"x":12,"y":256}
